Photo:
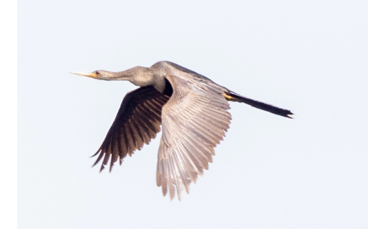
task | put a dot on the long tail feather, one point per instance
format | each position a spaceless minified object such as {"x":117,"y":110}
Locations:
{"x":232,"y":96}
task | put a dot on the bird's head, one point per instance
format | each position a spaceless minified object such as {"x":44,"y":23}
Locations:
{"x":98,"y":74}
{"x":139,"y":76}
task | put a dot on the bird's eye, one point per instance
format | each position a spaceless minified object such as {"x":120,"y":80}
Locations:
{"x":96,"y":72}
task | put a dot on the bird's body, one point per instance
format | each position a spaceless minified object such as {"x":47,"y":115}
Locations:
{"x":193,"y":112}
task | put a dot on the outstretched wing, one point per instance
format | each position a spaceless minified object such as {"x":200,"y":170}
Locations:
{"x":137,"y":122}
{"x":194,"y":121}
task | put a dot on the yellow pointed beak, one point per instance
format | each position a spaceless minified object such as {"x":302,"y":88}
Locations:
{"x":87,"y":74}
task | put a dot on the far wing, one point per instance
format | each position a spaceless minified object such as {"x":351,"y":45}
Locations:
{"x":137,"y":122}
{"x":194,"y":121}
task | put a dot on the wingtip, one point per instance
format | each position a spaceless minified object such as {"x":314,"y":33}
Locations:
{"x":96,"y":153}
{"x":102,"y":168}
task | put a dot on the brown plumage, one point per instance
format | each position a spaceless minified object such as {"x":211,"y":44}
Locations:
{"x":192,"y":109}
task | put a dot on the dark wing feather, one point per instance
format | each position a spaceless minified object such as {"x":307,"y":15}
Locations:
{"x":194,"y":121}
{"x":137,"y":122}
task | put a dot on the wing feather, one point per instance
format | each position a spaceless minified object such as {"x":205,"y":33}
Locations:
{"x":194,"y":121}
{"x":137,"y":122}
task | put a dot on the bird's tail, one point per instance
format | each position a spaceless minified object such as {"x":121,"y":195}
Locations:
{"x":232,"y":96}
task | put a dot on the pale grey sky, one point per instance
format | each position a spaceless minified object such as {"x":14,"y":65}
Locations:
{"x":269,"y":172}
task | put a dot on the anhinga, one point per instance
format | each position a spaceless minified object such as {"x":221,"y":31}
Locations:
{"x":192,"y":110}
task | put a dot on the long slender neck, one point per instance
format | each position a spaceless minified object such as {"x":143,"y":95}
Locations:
{"x":141,"y":76}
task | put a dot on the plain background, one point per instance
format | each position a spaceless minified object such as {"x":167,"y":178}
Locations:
{"x":269,"y":172}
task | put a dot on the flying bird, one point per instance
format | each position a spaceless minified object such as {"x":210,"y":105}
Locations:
{"x":193,"y":112}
